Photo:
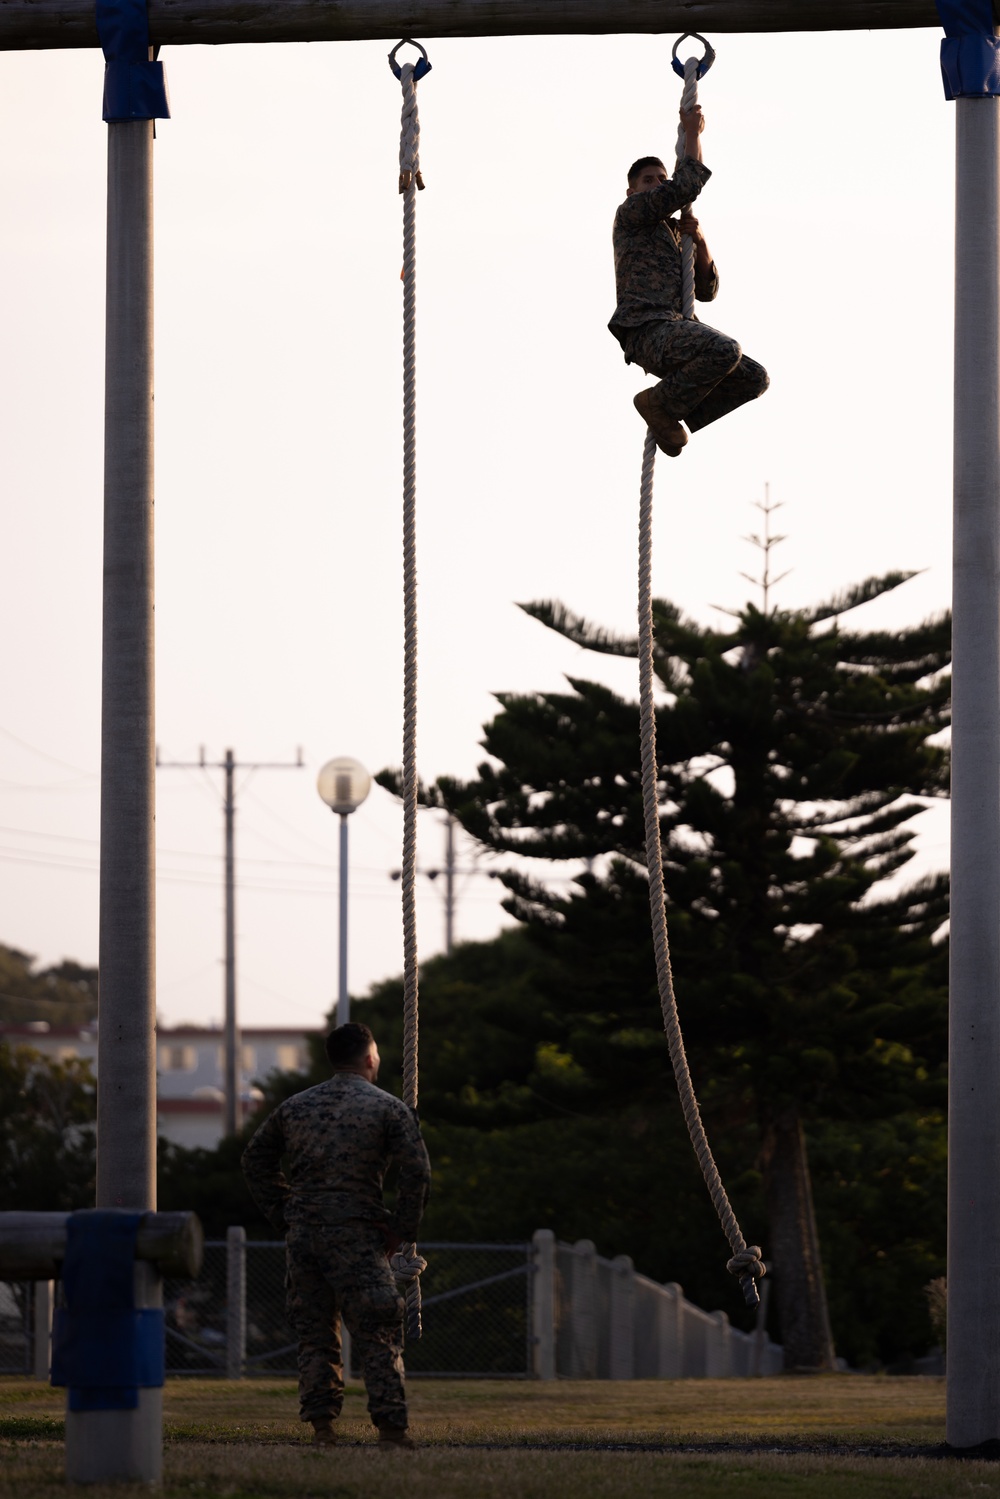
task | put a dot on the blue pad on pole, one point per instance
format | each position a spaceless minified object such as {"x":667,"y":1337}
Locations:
{"x":134,"y":87}
{"x":104,"y":1347}
{"x":970,"y":53}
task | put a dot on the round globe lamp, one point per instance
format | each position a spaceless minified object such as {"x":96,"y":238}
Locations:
{"x":343,"y":784}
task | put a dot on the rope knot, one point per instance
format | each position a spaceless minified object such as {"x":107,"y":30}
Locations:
{"x":749,"y":1268}
{"x":406,"y":1264}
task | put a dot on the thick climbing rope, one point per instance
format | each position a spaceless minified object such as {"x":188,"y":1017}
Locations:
{"x":746,"y":1259}
{"x":410,"y":181}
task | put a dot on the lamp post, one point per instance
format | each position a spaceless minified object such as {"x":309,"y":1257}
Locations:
{"x":343,"y":784}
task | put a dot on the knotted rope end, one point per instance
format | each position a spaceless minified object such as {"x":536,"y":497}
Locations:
{"x":749,"y":1268}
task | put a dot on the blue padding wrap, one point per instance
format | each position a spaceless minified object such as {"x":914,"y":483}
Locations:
{"x":134,"y":87}
{"x":970,"y":66}
{"x":703,"y":66}
{"x":420,"y":69}
{"x":104,"y":1347}
{"x":970,"y":53}
{"x":107,"y":1357}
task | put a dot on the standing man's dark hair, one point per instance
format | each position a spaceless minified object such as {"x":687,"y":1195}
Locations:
{"x":348,"y":1043}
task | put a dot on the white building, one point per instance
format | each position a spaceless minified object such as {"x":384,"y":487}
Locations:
{"x":189,"y":1069}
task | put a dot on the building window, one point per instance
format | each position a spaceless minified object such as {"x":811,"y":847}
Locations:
{"x":290,"y":1058}
{"x":178,"y":1058}
{"x":248,"y":1059}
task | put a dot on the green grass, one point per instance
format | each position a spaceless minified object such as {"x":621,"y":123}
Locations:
{"x":842,"y":1437}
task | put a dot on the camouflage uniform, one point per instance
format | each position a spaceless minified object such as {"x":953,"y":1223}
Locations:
{"x":703,"y":373}
{"x":340,"y":1138}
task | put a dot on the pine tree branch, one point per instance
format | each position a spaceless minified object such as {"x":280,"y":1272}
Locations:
{"x":856,"y":595}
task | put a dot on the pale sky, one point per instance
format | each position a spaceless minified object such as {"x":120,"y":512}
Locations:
{"x":278,"y":454}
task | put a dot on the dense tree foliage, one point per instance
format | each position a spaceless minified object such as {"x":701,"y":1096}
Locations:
{"x":65,"y":994}
{"x":47,"y":1136}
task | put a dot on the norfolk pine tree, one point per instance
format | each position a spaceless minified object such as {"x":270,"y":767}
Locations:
{"x":792,"y":755}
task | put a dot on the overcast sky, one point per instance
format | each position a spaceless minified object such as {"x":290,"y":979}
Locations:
{"x":277,"y":399}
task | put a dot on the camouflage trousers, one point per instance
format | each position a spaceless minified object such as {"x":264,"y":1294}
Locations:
{"x":704,"y":374}
{"x":336,"y":1272}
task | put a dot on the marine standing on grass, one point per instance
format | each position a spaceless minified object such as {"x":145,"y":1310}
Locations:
{"x":340,"y":1138}
{"x":703,"y":374}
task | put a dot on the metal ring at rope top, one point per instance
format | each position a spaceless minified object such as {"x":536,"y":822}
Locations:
{"x":422,"y":67}
{"x":678,"y":67}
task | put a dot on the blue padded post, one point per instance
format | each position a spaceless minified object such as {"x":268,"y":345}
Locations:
{"x":104,"y":1348}
{"x":970,"y":53}
{"x":134,"y":87}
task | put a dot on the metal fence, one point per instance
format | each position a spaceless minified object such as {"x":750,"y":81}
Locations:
{"x":231,"y":1320}
{"x":16,"y":1351}
{"x":611,"y":1323}
{"x":513,"y":1311}
{"x":25,"y":1314}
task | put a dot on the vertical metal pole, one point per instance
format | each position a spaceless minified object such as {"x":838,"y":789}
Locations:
{"x":583,"y":1313}
{"x":670,"y":1332}
{"x":126,"y":1065}
{"x":43,"y":1292}
{"x":343,"y":998}
{"x":974,"y":1066}
{"x":233,"y":1111}
{"x":106,"y":1445}
{"x":719,"y":1359}
{"x":543,"y":1303}
{"x":449,"y":884}
{"x":621,"y":1321}
{"x":236,"y":1302}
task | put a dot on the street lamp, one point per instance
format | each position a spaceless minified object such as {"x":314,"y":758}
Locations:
{"x":343,"y":784}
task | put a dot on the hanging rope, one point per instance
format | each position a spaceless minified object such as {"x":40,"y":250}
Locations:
{"x":746,"y":1260}
{"x":410,"y":181}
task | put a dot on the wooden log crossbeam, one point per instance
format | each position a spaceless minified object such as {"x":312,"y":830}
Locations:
{"x":30,"y":25}
{"x":33,"y":1245}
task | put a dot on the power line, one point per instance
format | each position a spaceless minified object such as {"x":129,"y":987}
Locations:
{"x":44,"y":755}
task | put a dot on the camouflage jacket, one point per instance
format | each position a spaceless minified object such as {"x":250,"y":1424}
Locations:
{"x":648,"y":271}
{"x":339,"y":1138}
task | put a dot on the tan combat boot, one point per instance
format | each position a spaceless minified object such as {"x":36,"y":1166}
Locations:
{"x":670,"y":435}
{"x":396,"y":1436}
{"x":324,"y":1434}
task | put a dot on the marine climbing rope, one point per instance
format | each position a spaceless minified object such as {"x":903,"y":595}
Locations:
{"x":746,"y":1259}
{"x":410,"y":181}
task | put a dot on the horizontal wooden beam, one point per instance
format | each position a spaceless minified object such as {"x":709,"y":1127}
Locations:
{"x":32,"y":24}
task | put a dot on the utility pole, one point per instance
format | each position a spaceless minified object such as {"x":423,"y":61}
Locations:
{"x":449,"y":869}
{"x":233,"y":1116}
{"x":449,"y":883}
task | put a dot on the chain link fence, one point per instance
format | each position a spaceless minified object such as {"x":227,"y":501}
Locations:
{"x":17,"y":1343}
{"x":542,"y":1309}
{"x":476,"y":1312}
